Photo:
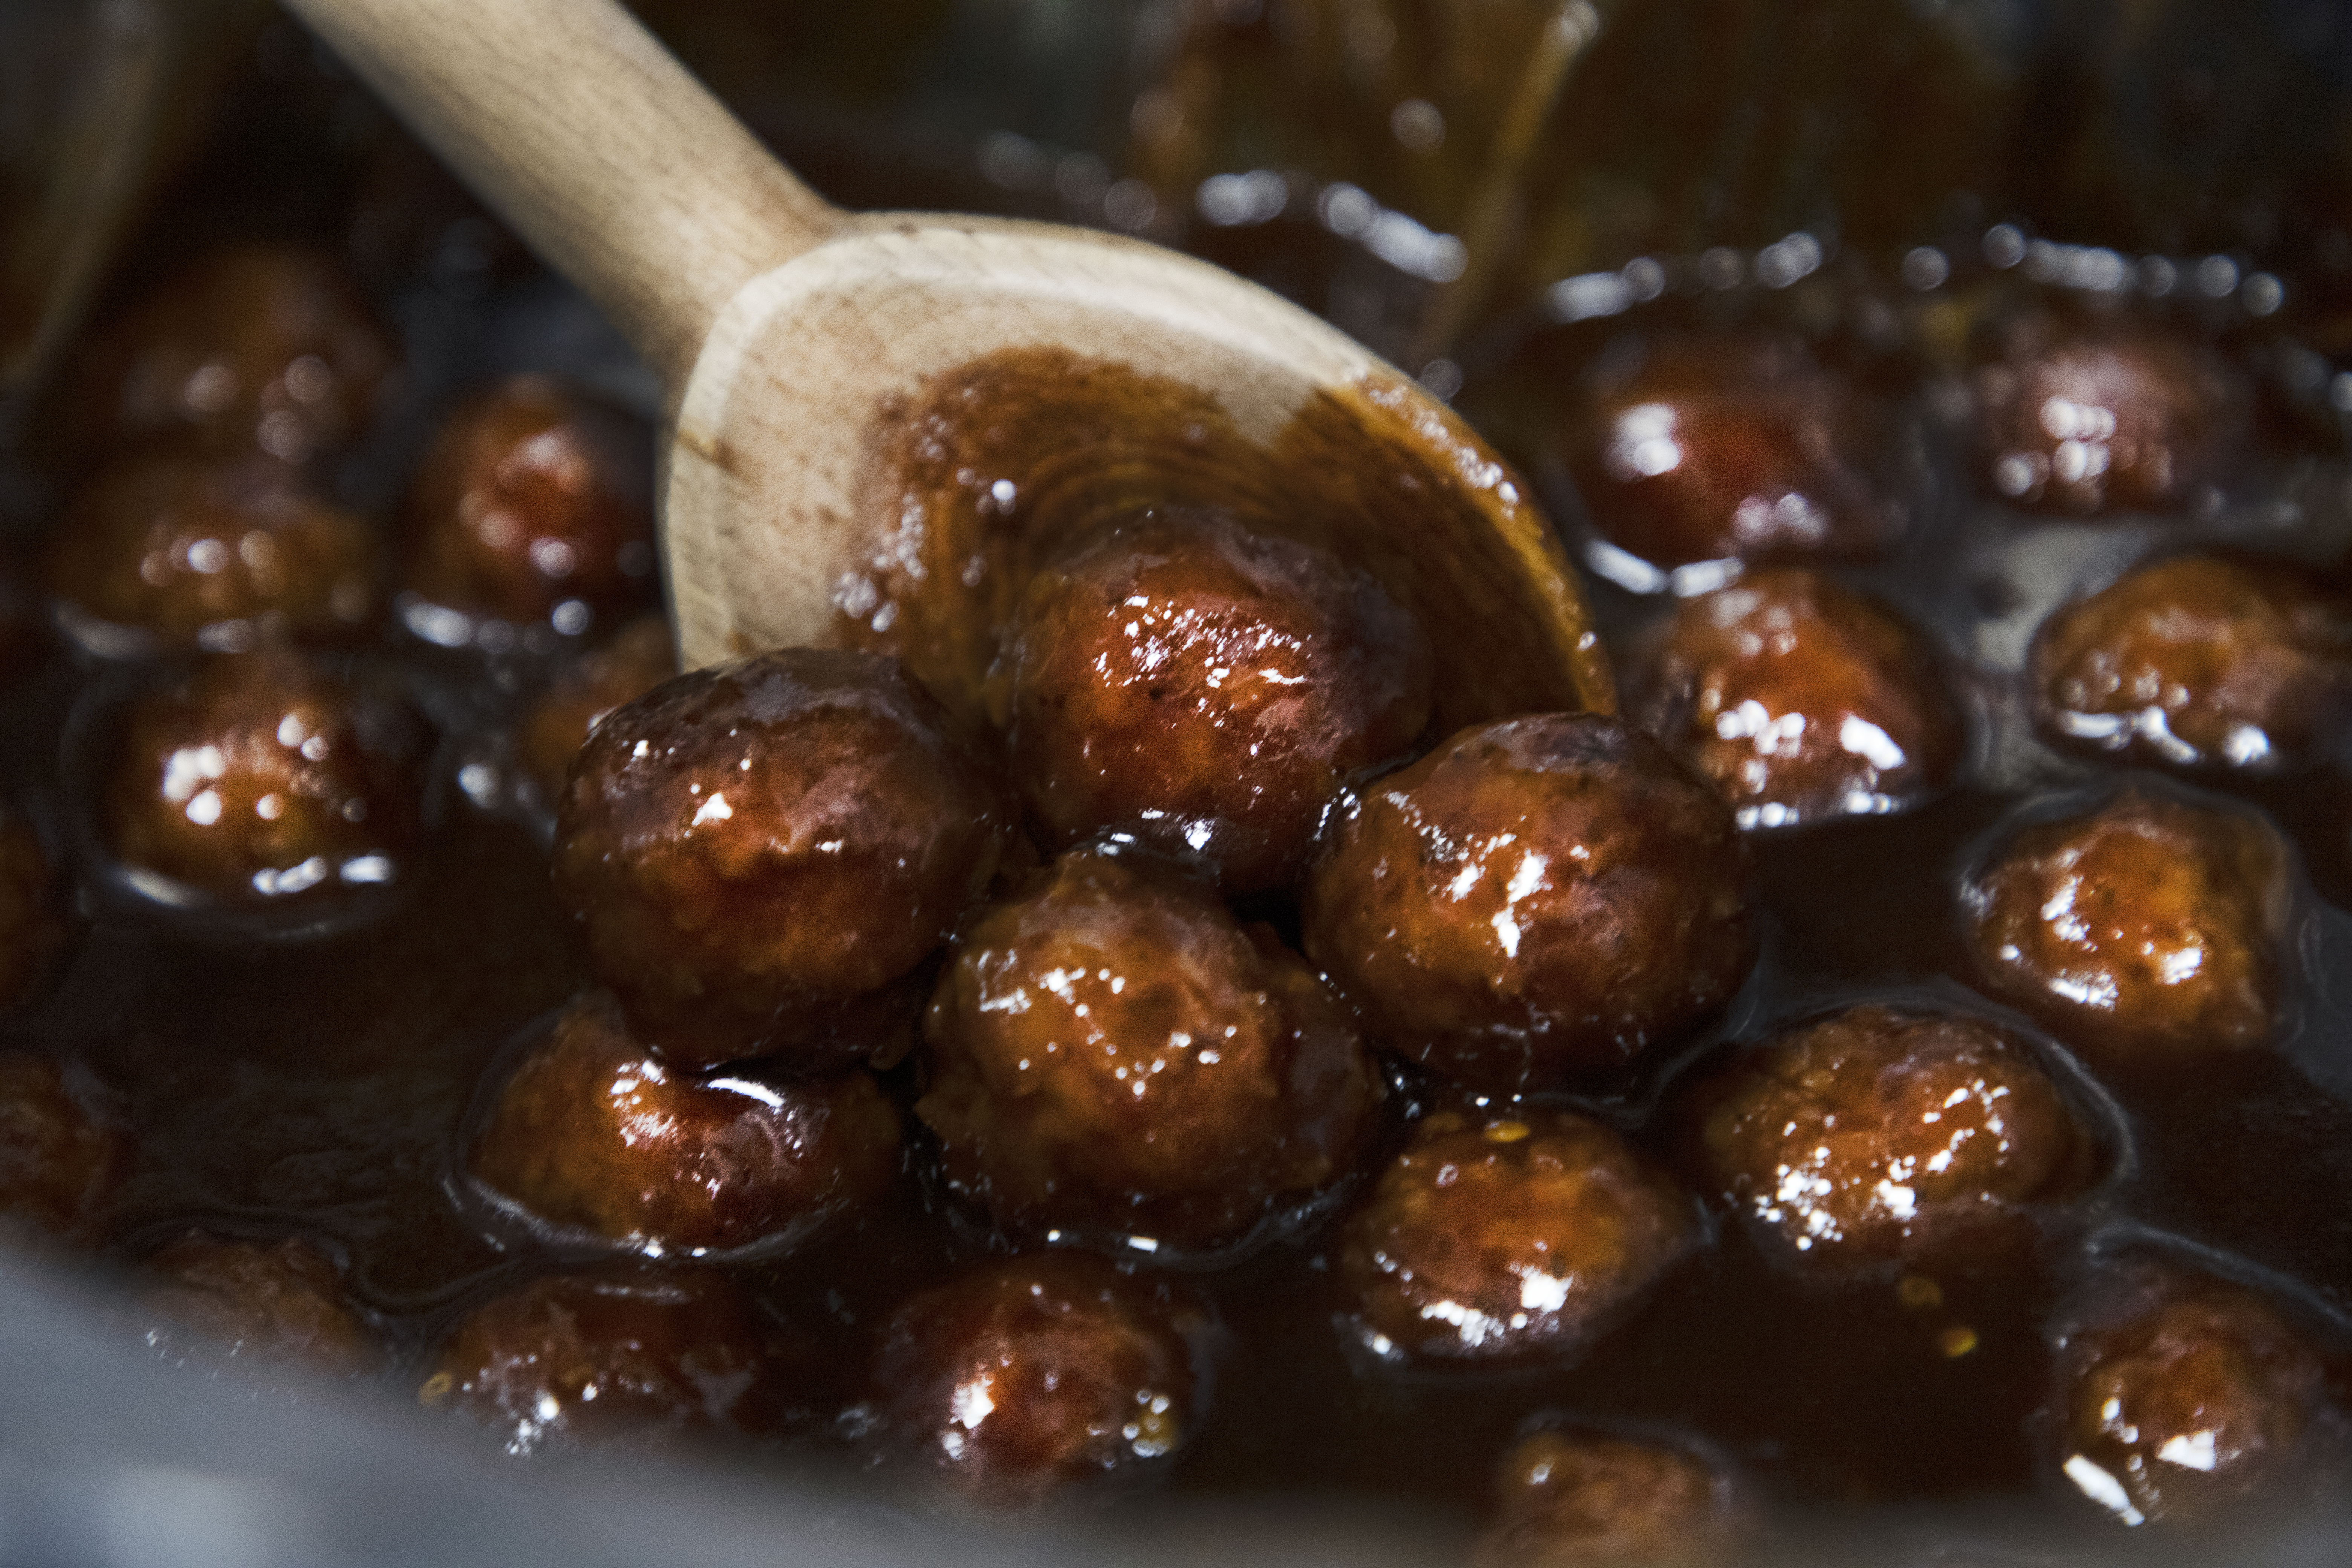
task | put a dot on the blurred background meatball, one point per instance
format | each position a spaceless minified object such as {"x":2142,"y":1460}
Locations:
{"x":2200,"y":661}
{"x":61,"y":1151}
{"x":1876,"y":1133}
{"x":534,"y":503}
{"x":592,"y":1134}
{"x":638,"y":657}
{"x":1499,"y":1234}
{"x":1586,"y":1500}
{"x":1038,"y":1375}
{"x":35,"y":928}
{"x":1182,"y":684}
{"x":212,"y":551}
{"x":261,"y":775}
{"x":1798,"y":700}
{"x":760,"y":852}
{"x":1537,"y":902}
{"x":2147,"y":924}
{"x":1108,"y":1053}
{"x":222,"y":1299}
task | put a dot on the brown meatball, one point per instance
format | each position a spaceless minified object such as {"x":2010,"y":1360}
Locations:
{"x":259,"y":1301}
{"x":2147,"y":925}
{"x":621,"y":1357}
{"x":1737,"y":449}
{"x":1499,"y":1234}
{"x":2199,"y":662}
{"x":213,"y":551}
{"x":534,"y":503}
{"x":2092,"y":421}
{"x":60,"y":1153}
{"x":1800,"y":700}
{"x":641,"y":655}
{"x":763,"y":851}
{"x":1110,"y":1055}
{"x":1580,"y":1500}
{"x":259,"y":344}
{"x":1537,"y":902}
{"x":1037,"y":1374}
{"x":34,"y":928}
{"x":590,"y":1133}
{"x":1182,"y":685}
{"x":1876,"y":1133}
{"x":259,"y":776}
{"x":2183,"y":1400}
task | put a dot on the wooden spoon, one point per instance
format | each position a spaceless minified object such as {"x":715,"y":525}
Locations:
{"x":881,"y":422}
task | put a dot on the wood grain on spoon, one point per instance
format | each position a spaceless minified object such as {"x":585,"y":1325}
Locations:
{"x":882,"y":420}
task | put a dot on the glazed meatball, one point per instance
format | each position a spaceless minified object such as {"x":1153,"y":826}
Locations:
{"x":1580,"y":1500}
{"x":1876,"y":1133}
{"x":640,"y":657}
{"x":1202,"y":692}
{"x":590,"y":1133}
{"x":2092,"y":421}
{"x":34,"y":928}
{"x":621,"y":1358}
{"x":1800,"y":700}
{"x":282,"y":1302}
{"x":534,"y":503}
{"x":260,"y":346}
{"x":211,"y":551}
{"x":1537,"y":902}
{"x":2148,"y":925}
{"x":1739,"y":448}
{"x":2182,"y":1400}
{"x":1109,"y":1055}
{"x":1500,"y":1235}
{"x":61,"y":1151}
{"x":2200,"y":661}
{"x":1038,"y":1373}
{"x":762,"y":853}
{"x":260,"y":776}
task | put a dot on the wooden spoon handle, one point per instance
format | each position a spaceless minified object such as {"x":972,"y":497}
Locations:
{"x":582,"y":132}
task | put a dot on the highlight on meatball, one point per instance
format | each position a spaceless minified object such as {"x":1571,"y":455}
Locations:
{"x":1505,"y":1234}
{"x":2183,"y":1400}
{"x":1799,"y":700}
{"x":1182,"y":685}
{"x":210,"y":552}
{"x":617,"y":1358}
{"x":1534,"y":904}
{"x":1110,"y":1056}
{"x":1569,"y":1498}
{"x":1039,"y":1375}
{"x":533,"y":503}
{"x":2098,"y":420}
{"x":61,"y":1151}
{"x":1877,"y":1133}
{"x":763,"y":853}
{"x":282,"y":1304}
{"x":640,"y":657}
{"x":1739,"y":448}
{"x":2149,"y":925}
{"x":2200,"y":661}
{"x":36,"y":927}
{"x":590,"y":1135}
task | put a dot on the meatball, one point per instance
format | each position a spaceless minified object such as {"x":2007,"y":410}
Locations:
{"x":1182,"y":685}
{"x":264,"y":345}
{"x":282,"y":1302}
{"x":1537,"y":902}
{"x":1799,"y":699}
{"x":620,"y":1357}
{"x":2200,"y":661}
{"x":640,"y":657}
{"x":1037,"y":1374}
{"x":214,"y":551}
{"x":60,"y":1153}
{"x":2148,"y":925}
{"x":1109,"y":1055}
{"x":1876,"y":1133}
{"x":1499,"y":1234}
{"x":1739,"y":448}
{"x":534,"y":503}
{"x":2101,"y":420}
{"x":590,"y":1133}
{"x":2183,"y":1400}
{"x":34,"y":928}
{"x":763,"y":853}
{"x":259,"y":776}
{"x":1581,"y":1500}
